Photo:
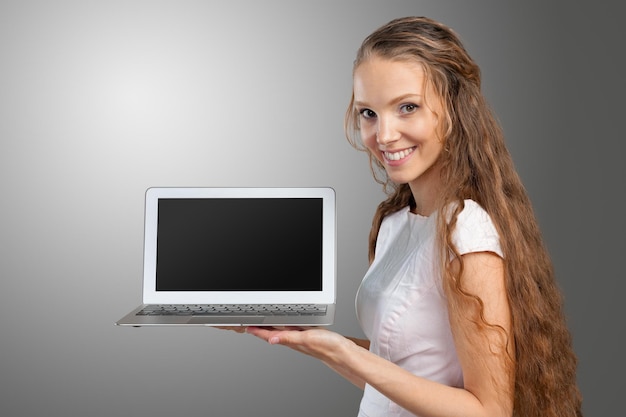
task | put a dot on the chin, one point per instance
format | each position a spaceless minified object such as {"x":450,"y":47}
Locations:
{"x":400,"y":179}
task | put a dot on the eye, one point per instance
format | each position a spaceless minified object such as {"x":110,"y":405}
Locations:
{"x":408,"y":108}
{"x":367,"y":114}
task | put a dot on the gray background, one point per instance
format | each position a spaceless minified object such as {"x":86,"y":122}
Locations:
{"x":100,"y":100}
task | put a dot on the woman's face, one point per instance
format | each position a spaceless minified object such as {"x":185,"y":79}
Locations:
{"x":398,"y":118}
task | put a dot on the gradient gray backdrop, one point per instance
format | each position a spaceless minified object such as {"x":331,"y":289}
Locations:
{"x":101,"y":100}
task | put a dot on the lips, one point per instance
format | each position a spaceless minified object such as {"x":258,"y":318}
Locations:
{"x":398,"y":155}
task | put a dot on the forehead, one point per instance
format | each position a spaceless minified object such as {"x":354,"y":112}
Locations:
{"x":384,"y":77}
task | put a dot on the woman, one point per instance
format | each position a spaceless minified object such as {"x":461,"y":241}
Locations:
{"x":460,"y":305}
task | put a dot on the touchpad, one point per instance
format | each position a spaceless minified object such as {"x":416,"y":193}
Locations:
{"x":246,"y":320}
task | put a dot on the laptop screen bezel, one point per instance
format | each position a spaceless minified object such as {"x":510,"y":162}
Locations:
{"x":327,"y":294}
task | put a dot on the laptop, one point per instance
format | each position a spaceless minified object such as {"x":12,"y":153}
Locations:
{"x":236,"y":256}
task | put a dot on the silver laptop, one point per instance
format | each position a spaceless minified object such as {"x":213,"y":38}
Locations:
{"x":238,"y":257}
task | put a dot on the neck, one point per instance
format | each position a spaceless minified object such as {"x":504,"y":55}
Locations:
{"x":425,"y":190}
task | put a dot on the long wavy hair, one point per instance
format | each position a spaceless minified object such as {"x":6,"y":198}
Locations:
{"x":475,"y":164}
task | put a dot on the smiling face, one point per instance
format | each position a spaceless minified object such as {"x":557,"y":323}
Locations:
{"x":398,"y":121}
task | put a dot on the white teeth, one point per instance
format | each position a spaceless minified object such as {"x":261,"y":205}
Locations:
{"x":396,"y":156}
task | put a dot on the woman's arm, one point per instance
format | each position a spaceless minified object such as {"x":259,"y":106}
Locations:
{"x":345,"y":372}
{"x":364,"y":343}
{"x":486,"y":369}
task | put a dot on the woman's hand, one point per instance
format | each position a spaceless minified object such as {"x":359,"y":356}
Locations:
{"x":329,"y":347}
{"x":314,"y":341}
{"x":237,"y":329}
{"x":244,"y":329}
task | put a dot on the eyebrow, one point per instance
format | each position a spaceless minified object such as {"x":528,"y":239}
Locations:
{"x":393,"y":101}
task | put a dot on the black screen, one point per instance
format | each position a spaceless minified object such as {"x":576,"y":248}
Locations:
{"x":234,"y":244}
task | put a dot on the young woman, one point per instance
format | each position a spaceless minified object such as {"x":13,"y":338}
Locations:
{"x":460,"y":305}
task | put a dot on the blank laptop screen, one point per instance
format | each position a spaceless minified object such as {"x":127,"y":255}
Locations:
{"x":235,"y":244}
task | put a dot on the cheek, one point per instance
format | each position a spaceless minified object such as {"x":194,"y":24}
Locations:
{"x":368,"y":137}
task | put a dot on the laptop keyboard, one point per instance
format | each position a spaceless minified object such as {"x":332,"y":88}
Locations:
{"x":230,"y":310}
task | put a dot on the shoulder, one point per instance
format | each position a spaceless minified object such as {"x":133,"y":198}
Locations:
{"x":473,"y":213}
{"x":475,"y":230}
{"x":396,"y":218}
{"x":391,"y":225}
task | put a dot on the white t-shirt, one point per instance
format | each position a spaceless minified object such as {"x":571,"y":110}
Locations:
{"x":401,"y":303}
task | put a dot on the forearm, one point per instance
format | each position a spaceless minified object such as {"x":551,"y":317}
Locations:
{"x":350,"y":359}
{"x":364,"y":343}
{"x":345,"y":371}
{"x":418,"y":395}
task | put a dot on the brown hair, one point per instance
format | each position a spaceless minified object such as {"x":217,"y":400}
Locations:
{"x":475,"y":164}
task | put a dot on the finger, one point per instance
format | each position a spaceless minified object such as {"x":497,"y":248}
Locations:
{"x":237,"y":329}
{"x":261,"y":332}
{"x":271,"y":335}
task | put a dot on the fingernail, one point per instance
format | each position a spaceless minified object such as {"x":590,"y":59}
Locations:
{"x":274,"y":340}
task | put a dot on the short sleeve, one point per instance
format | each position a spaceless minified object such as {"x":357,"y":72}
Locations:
{"x":475,"y":231}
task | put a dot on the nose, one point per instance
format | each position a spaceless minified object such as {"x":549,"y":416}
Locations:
{"x":387,"y":131}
